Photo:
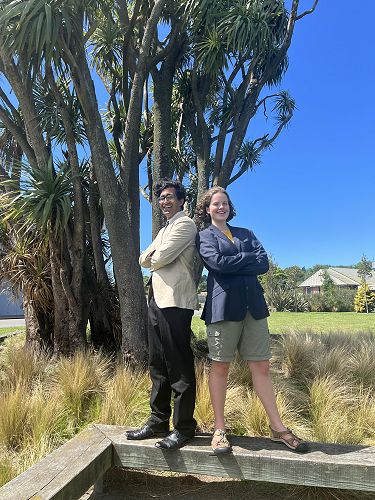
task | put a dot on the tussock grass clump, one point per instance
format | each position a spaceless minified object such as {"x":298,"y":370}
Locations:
{"x":296,"y":354}
{"x":361,"y":364}
{"x":253,"y":417}
{"x":126,"y":400}
{"x":35,"y":451}
{"x":7,"y":470}
{"x":239,"y":373}
{"x":19,"y":365}
{"x":79,"y":381}
{"x":333,"y":412}
{"x":332,"y":362}
{"x":46,"y":419}
{"x":14,"y":410}
{"x":365,"y":416}
{"x":204,"y":413}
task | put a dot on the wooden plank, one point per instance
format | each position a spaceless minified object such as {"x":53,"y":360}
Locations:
{"x":333,"y":466}
{"x":67,"y":472}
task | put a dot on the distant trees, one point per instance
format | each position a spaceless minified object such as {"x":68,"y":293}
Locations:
{"x":364,"y":272}
{"x":364,"y":301}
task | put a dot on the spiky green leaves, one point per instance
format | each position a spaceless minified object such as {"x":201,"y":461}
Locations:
{"x":33,"y":27}
{"x":44,"y":202}
{"x":223,"y":30}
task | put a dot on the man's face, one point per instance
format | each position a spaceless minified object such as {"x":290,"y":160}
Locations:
{"x":168,"y":202}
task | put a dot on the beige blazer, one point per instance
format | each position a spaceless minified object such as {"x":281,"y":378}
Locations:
{"x":172,"y":263}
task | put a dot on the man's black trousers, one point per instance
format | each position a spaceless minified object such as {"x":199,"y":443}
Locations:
{"x":171,"y":368}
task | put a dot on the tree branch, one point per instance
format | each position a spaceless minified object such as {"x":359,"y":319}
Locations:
{"x":264,"y":144}
{"x":310,"y":11}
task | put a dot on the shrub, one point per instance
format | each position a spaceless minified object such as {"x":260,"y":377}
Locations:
{"x":338,"y":300}
{"x":284,"y":297}
{"x":364,"y":300}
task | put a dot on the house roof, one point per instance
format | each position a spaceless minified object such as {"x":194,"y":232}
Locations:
{"x":341,"y":276}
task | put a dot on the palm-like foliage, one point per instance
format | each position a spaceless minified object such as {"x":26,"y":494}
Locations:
{"x":50,"y":114}
{"x":37,"y":28}
{"x":228,"y":30}
{"x":44,"y":201}
{"x":25,"y":265}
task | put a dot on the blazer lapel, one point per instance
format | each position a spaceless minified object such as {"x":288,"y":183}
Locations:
{"x":236,"y":241}
{"x":221,"y":235}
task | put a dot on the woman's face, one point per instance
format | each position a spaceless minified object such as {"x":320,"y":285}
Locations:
{"x":219,"y":208}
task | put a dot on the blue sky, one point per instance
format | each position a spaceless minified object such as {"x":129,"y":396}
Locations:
{"x":312,"y":199}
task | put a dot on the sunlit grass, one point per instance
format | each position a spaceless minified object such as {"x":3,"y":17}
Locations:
{"x":325,"y":387}
{"x":19,"y":365}
{"x":79,"y":381}
{"x":126,"y":399}
{"x":14,"y":410}
{"x":316,"y":322}
{"x":334,"y":411}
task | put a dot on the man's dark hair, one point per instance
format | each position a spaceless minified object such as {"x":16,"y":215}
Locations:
{"x":169,"y":183}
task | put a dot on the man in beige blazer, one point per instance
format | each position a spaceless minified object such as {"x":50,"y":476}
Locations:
{"x":171,"y":258}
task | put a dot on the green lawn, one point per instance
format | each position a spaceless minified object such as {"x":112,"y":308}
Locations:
{"x":284,"y":322}
{"x":9,"y":329}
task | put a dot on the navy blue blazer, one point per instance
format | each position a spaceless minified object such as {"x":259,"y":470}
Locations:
{"x":232,"y":284}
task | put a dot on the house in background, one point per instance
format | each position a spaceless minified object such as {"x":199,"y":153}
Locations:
{"x":343,"y":277}
{"x":10,"y":307}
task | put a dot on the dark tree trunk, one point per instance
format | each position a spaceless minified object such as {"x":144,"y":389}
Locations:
{"x":125,"y":262}
{"x":95,"y":233}
{"x":103,"y":312}
{"x":163,"y":85}
{"x":61,"y":340}
{"x":39,"y":329}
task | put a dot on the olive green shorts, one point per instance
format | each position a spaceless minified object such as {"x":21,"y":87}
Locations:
{"x":250,"y":337}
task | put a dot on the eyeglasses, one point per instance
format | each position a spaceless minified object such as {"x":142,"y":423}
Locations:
{"x":167,"y":197}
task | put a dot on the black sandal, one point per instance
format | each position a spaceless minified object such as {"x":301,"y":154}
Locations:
{"x":280,"y":437}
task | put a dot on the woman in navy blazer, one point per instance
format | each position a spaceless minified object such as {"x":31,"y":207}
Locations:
{"x":235,"y":313}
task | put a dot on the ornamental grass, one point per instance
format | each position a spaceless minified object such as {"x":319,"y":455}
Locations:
{"x":324,"y":384}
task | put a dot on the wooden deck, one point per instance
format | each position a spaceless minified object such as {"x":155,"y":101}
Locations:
{"x":70,"y":470}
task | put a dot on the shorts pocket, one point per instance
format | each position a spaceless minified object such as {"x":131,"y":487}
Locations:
{"x":213,"y":333}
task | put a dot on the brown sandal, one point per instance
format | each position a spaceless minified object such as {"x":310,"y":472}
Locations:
{"x":277,"y":436}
